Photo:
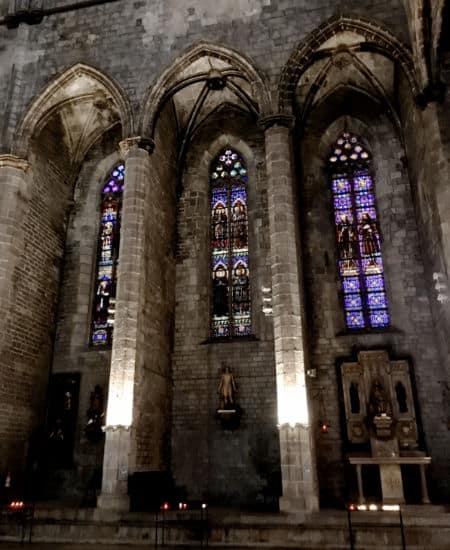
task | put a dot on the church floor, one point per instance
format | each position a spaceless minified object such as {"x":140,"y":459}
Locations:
{"x":72,"y":529}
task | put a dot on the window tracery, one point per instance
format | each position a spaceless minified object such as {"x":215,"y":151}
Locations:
{"x":107,"y":258}
{"x":360,"y":260}
{"x":229,"y":246}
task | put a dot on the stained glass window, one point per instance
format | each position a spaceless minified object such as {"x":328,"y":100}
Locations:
{"x":358,"y":236}
{"x":229,"y":246}
{"x":108,"y":257}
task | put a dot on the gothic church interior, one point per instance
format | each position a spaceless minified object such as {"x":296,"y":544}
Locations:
{"x":225,"y":245}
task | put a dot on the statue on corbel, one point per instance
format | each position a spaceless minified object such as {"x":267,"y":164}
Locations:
{"x":229,"y":412}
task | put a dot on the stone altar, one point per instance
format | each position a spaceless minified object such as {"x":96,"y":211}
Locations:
{"x":380,"y":412}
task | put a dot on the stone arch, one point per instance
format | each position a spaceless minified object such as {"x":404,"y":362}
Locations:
{"x":377,"y":39}
{"x":82,"y":83}
{"x":169,"y":82}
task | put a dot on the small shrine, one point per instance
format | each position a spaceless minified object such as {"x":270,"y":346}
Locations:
{"x":380,"y":412}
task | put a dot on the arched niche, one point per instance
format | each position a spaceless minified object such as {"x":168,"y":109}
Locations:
{"x":68,"y":125}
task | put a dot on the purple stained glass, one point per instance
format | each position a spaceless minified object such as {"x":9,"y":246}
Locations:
{"x":375,"y":282}
{"x":350,"y":284}
{"x":355,"y":319}
{"x":364,"y":200}
{"x":341,"y":185}
{"x":376,"y":300}
{"x":358,"y":237}
{"x":229,"y":243}
{"x":352,"y":301}
{"x":362,"y":183}
{"x":379,"y":319}
{"x":342,"y":201}
{"x":108,"y":257}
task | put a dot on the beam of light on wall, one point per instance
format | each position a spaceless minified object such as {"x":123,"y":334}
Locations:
{"x":120,"y":403}
{"x":292,"y":404}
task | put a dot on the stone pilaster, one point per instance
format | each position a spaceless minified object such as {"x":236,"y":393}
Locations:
{"x":15,"y":188}
{"x":296,"y":439}
{"x":118,"y":459}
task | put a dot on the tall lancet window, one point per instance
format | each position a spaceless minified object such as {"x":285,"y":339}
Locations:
{"x":358,"y":235}
{"x":229,"y":246}
{"x":108,"y":258}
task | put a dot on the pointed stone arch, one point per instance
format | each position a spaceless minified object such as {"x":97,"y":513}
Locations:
{"x":377,"y":39}
{"x":78,"y":83}
{"x":170,"y":81}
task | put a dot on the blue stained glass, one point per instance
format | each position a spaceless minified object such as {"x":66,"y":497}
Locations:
{"x":229,"y":243}
{"x":350,"y":284}
{"x":220,"y":257}
{"x":379,"y":319}
{"x":240,"y":258}
{"x":342,"y":201}
{"x":375,"y":282}
{"x":359,"y":242}
{"x":219,"y":197}
{"x":107,"y":260}
{"x":376,"y":300}
{"x":341,"y":185}
{"x":355,"y":319}
{"x":352,"y":301}
{"x":238,"y":194}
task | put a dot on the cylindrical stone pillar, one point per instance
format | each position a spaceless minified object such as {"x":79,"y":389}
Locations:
{"x":298,"y":466}
{"x":118,"y":459}
{"x":15,"y":186}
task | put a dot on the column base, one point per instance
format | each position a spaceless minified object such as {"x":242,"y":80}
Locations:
{"x":119,"y":503}
{"x":300,"y":507}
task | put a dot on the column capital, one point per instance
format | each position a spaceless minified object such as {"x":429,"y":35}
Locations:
{"x":277,"y":119}
{"x":140,"y":142}
{"x":12,"y":161}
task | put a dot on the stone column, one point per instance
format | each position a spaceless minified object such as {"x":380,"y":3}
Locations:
{"x":118,"y":458}
{"x":15,"y":185}
{"x":298,"y":467}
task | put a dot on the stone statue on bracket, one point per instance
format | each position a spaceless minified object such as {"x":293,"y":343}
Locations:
{"x":229,"y":411}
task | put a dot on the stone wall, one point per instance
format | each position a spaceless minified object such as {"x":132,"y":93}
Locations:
{"x":73,"y":352}
{"x":411,"y":334}
{"x":29,"y":330}
{"x":210,"y":462}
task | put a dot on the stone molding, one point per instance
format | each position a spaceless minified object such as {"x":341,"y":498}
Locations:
{"x":140,"y":142}
{"x":116,"y":427}
{"x":278,"y":119}
{"x":12,"y":161}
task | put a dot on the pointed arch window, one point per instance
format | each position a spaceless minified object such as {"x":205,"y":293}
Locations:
{"x":361,"y":266}
{"x":229,"y":246}
{"x":107,"y":258}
